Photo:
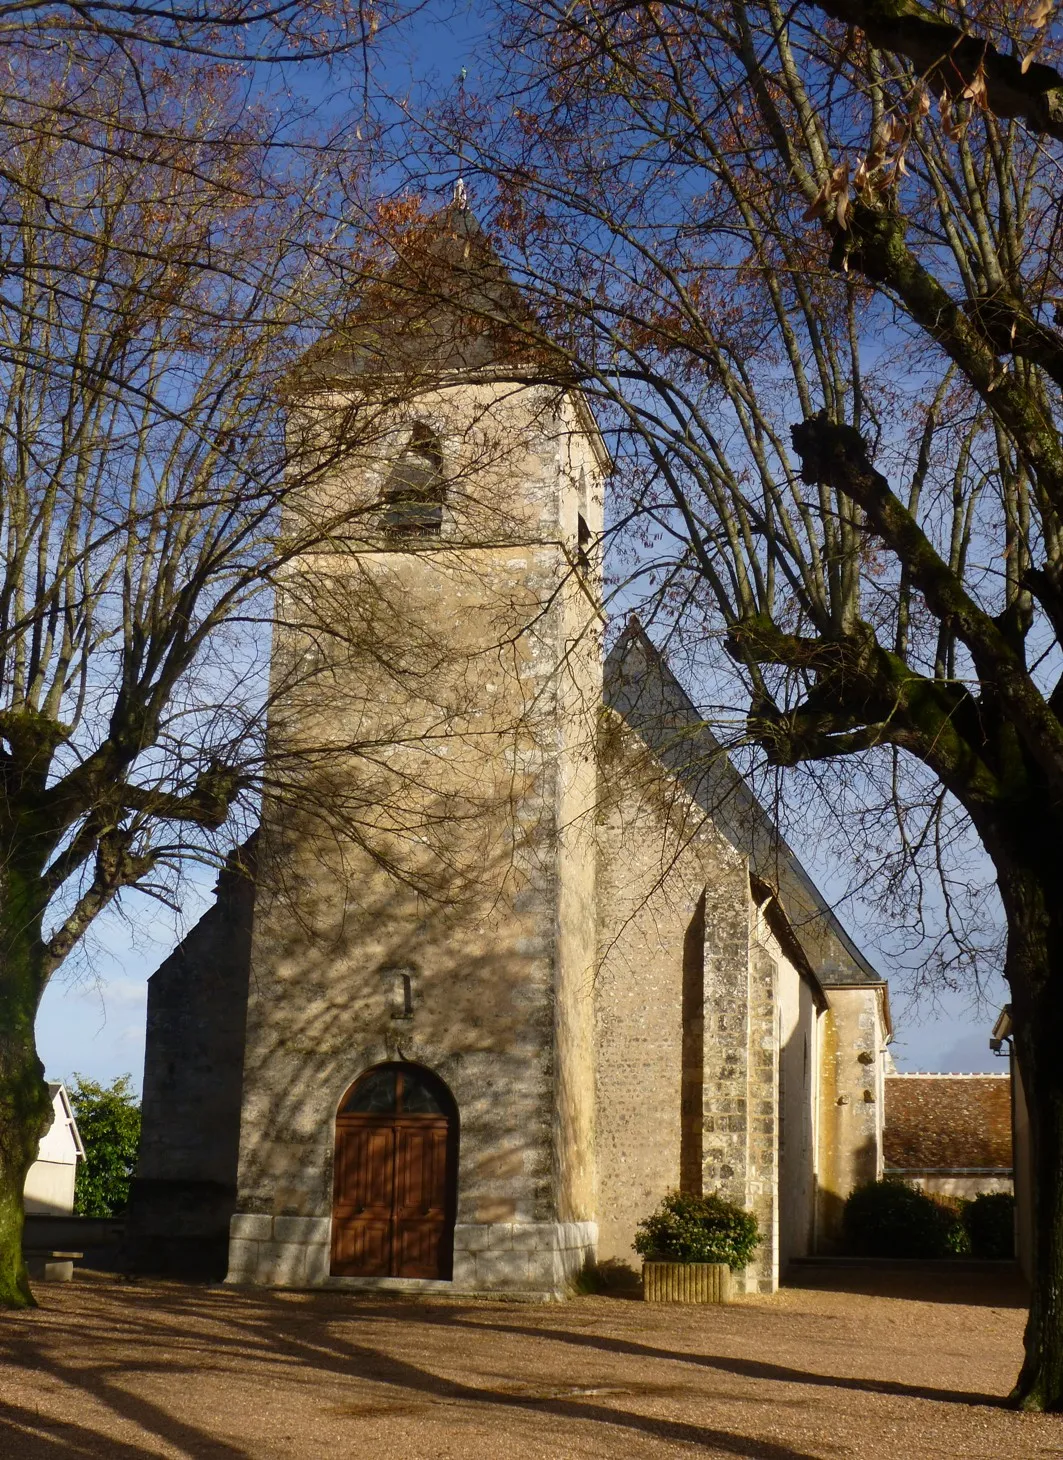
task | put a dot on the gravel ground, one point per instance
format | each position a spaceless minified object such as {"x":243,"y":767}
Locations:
{"x":853,"y":1363}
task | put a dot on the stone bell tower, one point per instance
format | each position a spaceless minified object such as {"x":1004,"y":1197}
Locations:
{"x":418,"y":1067}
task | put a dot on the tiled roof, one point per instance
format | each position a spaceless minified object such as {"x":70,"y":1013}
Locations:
{"x":947,"y":1122}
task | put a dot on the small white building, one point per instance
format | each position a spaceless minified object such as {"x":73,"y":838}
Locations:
{"x":49,"y":1189}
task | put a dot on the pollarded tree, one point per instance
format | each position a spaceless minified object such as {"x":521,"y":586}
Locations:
{"x":814,"y":289}
{"x":156,"y":305}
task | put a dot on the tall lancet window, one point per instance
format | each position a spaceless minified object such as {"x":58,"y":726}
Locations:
{"x":414,"y":494}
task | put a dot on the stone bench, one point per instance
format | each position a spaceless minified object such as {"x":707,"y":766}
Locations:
{"x":51,"y":1266}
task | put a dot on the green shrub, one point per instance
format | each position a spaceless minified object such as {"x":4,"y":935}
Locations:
{"x":990,"y":1224}
{"x":108,"y":1119}
{"x":891,"y":1219}
{"x":698,"y":1229}
{"x":957,"y":1238}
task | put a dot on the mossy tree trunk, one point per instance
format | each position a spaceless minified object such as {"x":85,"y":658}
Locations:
{"x":24,"y":1105}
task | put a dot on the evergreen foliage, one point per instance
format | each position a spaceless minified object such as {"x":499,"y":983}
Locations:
{"x":698,"y":1229}
{"x":990,"y":1223}
{"x":891,"y":1219}
{"x":108,"y":1118}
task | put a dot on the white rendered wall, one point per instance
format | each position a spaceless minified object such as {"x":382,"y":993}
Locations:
{"x":49,"y":1189}
{"x":49,"y":1185}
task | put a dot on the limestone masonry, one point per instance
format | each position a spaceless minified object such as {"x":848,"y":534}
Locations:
{"x":514,"y":951}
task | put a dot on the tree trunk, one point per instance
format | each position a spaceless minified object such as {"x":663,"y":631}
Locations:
{"x":1040,"y":1383}
{"x":24,"y":1115}
{"x":1033,"y":900}
{"x":25,"y":1110}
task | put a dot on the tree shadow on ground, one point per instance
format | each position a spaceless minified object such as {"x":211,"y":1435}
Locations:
{"x":341,"y":1356}
{"x":29,"y":1435}
{"x":267,"y":1320}
{"x":264,"y":1331}
{"x":755,"y":1368}
{"x":155,"y":1329}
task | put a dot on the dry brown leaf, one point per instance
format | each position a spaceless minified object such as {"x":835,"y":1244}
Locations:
{"x":952,"y":129}
{"x":976,"y":90}
{"x":815,"y":208}
{"x":1040,"y":14}
{"x":839,"y":180}
{"x":835,"y":189}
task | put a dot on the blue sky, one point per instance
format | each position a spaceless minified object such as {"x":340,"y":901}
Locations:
{"x":92,"y":1016}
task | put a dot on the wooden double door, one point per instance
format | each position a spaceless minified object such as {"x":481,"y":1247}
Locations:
{"x":395,"y":1176}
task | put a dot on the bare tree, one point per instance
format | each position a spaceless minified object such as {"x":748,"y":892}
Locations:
{"x":157,"y":457}
{"x":271,"y":31}
{"x":813,"y":289}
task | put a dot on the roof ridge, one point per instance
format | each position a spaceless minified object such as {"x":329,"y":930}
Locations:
{"x":949,"y":1075}
{"x":680,"y":710}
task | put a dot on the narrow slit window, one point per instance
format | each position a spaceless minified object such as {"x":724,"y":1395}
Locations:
{"x":415,"y":492}
{"x":583,"y":532}
{"x":583,"y":541}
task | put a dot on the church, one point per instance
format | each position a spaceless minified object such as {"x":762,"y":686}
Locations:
{"x":514,"y":950}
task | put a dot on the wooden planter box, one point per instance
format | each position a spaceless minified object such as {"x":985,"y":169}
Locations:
{"x":686,"y":1282}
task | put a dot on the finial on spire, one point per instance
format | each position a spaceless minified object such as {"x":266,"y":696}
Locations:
{"x":461,"y":196}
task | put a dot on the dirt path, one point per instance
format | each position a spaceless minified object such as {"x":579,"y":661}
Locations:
{"x":907,"y":1365}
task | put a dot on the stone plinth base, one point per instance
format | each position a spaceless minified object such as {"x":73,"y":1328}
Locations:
{"x":686,"y":1282}
{"x":541,"y":1258}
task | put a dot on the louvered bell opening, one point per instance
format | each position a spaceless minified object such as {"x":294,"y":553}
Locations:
{"x":413,"y":497}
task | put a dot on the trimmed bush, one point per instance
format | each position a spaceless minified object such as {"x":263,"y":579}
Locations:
{"x":990,"y":1224}
{"x":698,"y":1229}
{"x":890,"y":1219}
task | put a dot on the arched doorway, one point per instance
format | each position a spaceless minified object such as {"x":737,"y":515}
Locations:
{"x":395,"y":1176}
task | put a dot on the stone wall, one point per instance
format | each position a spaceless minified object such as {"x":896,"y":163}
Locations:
{"x":185,"y":1187}
{"x":533,"y":1259}
{"x":672,"y":980}
{"x":851,"y":1102}
{"x":702,"y":1020}
{"x":964,"y":1187}
{"x":432,"y":932}
{"x":762,"y":1172}
{"x":578,"y":684}
{"x":798,"y":1109}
